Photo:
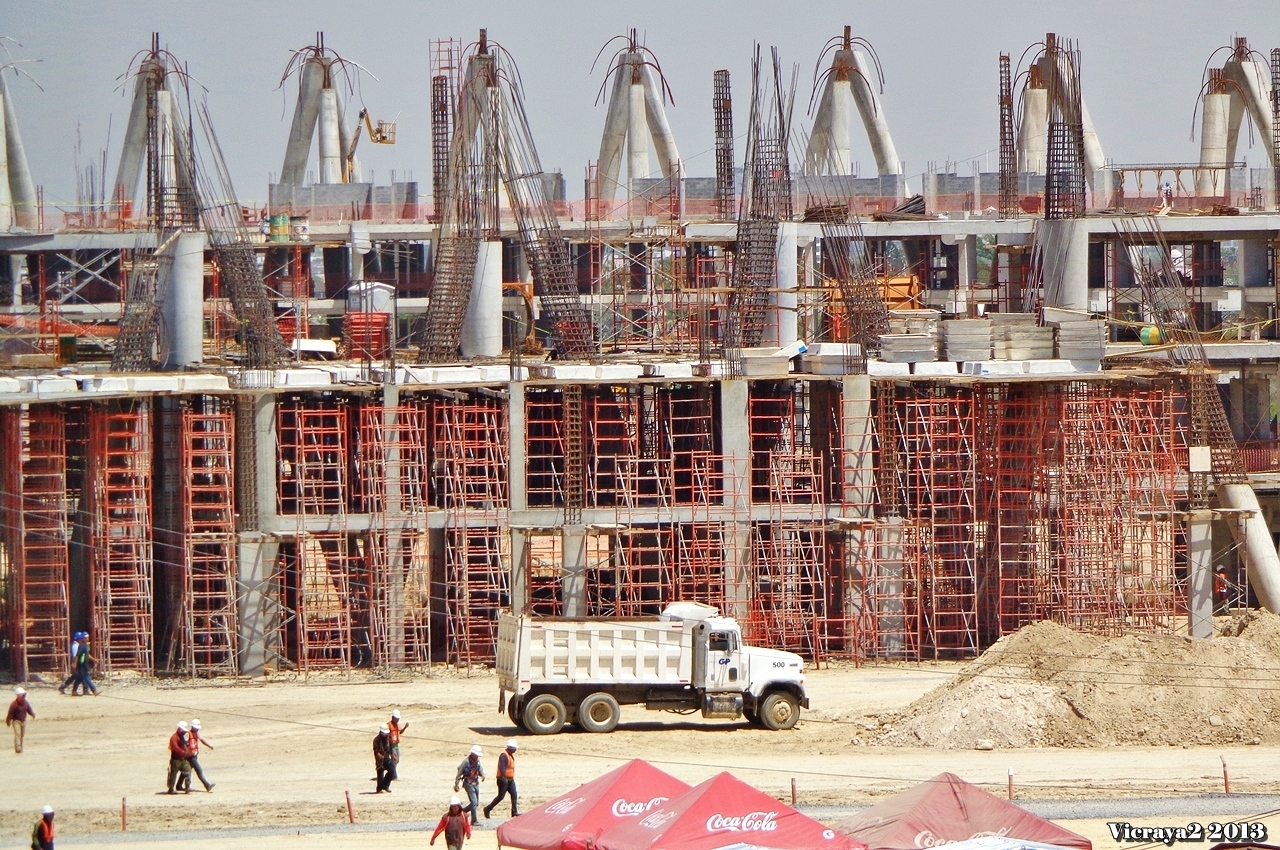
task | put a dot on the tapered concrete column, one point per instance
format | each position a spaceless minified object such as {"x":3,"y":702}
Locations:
{"x":482,"y":327}
{"x":735,"y":438}
{"x":1200,"y":579}
{"x":858,"y":445}
{"x":519,"y":493}
{"x":1066,"y":267}
{"x":181,"y":296}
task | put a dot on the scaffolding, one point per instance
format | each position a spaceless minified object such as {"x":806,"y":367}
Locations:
{"x":470,"y":455}
{"x":120,"y":533}
{"x":36,"y":527}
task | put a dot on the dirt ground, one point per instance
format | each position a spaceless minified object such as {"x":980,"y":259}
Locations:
{"x":286,"y":753}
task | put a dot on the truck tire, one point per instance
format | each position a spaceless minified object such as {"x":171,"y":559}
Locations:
{"x":780,"y":710}
{"x":514,"y":713}
{"x":599,"y":712}
{"x":544,"y":714}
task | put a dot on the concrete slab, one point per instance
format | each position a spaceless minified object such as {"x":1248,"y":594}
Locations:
{"x":937,"y":369}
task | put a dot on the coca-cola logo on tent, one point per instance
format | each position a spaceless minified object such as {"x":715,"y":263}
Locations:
{"x":630,"y":808}
{"x":563,"y":807}
{"x":658,"y":819}
{"x":750,"y":822}
{"x":925,"y":838}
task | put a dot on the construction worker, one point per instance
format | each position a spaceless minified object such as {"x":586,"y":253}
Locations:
{"x":19,"y":711}
{"x":74,"y":653}
{"x":384,"y":759}
{"x":42,"y":835}
{"x":397,"y":728}
{"x":506,"y":779}
{"x":179,"y":753}
{"x":454,"y":825}
{"x":194,"y":759}
{"x":470,"y":774}
{"x":84,"y":667}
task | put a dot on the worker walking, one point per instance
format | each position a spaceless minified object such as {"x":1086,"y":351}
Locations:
{"x":19,"y":711}
{"x":74,"y":655}
{"x":506,"y":779}
{"x":454,"y":825}
{"x":179,"y":765}
{"x":194,"y":759}
{"x":84,"y":667}
{"x":42,"y":835}
{"x":470,"y":774}
{"x":384,"y":760}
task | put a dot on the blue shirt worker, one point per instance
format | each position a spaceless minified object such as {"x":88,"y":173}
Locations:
{"x":470,"y":774}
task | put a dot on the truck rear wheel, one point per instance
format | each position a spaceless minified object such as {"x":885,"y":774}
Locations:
{"x":544,"y":714}
{"x":514,"y":713}
{"x":599,"y":712}
{"x":780,"y":710}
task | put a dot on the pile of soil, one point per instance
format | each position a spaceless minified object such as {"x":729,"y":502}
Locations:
{"x":1047,"y":685}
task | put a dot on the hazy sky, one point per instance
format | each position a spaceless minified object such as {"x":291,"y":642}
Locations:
{"x":1142,"y":64}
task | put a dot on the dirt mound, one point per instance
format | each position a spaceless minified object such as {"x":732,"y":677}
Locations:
{"x":1050,"y":686}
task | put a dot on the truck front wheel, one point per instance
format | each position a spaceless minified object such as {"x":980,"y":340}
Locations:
{"x":780,"y":710}
{"x":599,"y":712}
{"x":544,"y":714}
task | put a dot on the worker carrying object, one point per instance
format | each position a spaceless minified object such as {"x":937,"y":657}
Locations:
{"x":42,"y":835}
{"x":506,"y":779}
{"x":454,"y":825}
{"x":396,"y":728}
{"x":470,"y":774}
{"x":384,"y":759}
{"x":19,"y":711}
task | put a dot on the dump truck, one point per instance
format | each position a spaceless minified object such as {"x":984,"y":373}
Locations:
{"x":553,"y":671}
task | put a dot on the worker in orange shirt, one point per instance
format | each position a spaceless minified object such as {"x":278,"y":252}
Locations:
{"x":506,"y":778}
{"x":196,"y":739}
{"x":179,"y":753}
{"x":19,"y":711}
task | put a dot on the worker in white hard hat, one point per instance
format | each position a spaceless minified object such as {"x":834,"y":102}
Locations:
{"x":470,"y":774}
{"x":197,"y":738}
{"x":179,"y":755}
{"x":42,"y":835}
{"x":16,"y":719}
{"x":506,"y":779}
{"x":397,"y":727}
{"x":454,"y":825}
{"x":384,"y":759}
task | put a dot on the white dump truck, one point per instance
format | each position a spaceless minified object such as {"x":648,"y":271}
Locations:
{"x":687,"y":659}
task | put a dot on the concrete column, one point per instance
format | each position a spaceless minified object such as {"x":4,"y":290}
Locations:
{"x":331,"y":155}
{"x":1235,"y":410}
{"x":519,"y":494}
{"x":1066,"y":263}
{"x":394,"y":527}
{"x":1033,"y":134}
{"x":1252,"y":259}
{"x":574,"y":582}
{"x":17,"y":270}
{"x":788,"y":282}
{"x":1200,"y":579}
{"x":735,"y":439}
{"x":519,"y":573}
{"x":258,"y":597}
{"x":1211,"y":179}
{"x":967,"y":264}
{"x":857,"y":437}
{"x":181,"y":296}
{"x":890,"y":563}
{"x":482,"y":326}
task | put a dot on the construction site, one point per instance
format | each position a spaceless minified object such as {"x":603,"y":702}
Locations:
{"x":871,"y":420}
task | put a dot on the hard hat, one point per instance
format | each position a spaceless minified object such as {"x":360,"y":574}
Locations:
{"x":512,"y":745}
{"x":476,"y":751}
{"x":80,"y":635}
{"x":19,"y":691}
{"x":396,"y":714}
{"x":454,"y":801}
{"x":182,"y":725}
{"x":384,"y":730}
{"x":195,"y":724}
{"x":47,"y":810}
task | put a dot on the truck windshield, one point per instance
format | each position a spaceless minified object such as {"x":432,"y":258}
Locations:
{"x":721,"y":641}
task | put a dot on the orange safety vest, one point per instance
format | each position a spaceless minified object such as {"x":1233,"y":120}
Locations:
{"x":507,"y":769}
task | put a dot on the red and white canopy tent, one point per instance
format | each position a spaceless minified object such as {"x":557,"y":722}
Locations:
{"x":578,"y":817}
{"x":724,"y":812}
{"x":947,"y":809}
